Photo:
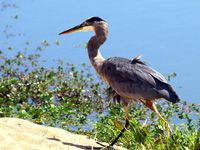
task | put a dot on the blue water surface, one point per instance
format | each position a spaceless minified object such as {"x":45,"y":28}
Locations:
{"x":166,"y":33}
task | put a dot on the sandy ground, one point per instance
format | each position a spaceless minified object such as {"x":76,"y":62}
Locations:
{"x":19,"y":134}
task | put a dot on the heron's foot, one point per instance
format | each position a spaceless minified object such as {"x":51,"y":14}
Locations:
{"x":169,"y":129}
{"x":105,"y":147}
{"x":170,"y":132}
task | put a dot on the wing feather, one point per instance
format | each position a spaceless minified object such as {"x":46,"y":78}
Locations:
{"x":133,"y":79}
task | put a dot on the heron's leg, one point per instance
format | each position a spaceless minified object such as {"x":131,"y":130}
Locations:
{"x":152,"y":106}
{"x":126,"y":124}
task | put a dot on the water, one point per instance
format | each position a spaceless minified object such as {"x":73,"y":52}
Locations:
{"x":166,"y":33}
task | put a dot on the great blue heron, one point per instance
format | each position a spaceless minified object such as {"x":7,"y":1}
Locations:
{"x":130,"y":80}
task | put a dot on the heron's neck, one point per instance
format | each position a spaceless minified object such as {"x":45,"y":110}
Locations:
{"x":93,"y":51}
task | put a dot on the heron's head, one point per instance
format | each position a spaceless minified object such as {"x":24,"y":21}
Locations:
{"x":91,"y":24}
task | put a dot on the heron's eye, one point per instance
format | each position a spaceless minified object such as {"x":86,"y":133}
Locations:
{"x":85,"y":24}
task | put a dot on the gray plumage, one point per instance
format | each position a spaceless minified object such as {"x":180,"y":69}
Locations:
{"x":134,"y":80}
{"x":113,"y":96}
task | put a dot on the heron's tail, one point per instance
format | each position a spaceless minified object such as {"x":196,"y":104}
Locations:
{"x":169,"y":93}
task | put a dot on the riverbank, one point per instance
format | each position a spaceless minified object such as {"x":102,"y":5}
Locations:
{"x":20,"y":134}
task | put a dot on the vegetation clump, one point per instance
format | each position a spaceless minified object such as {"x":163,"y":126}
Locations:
{"x":70,"y":97}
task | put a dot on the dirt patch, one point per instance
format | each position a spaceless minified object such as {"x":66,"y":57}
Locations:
{"x":19,"y":134}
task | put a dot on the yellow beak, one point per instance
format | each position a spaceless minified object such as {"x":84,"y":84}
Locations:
{"x":74,"y":29}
